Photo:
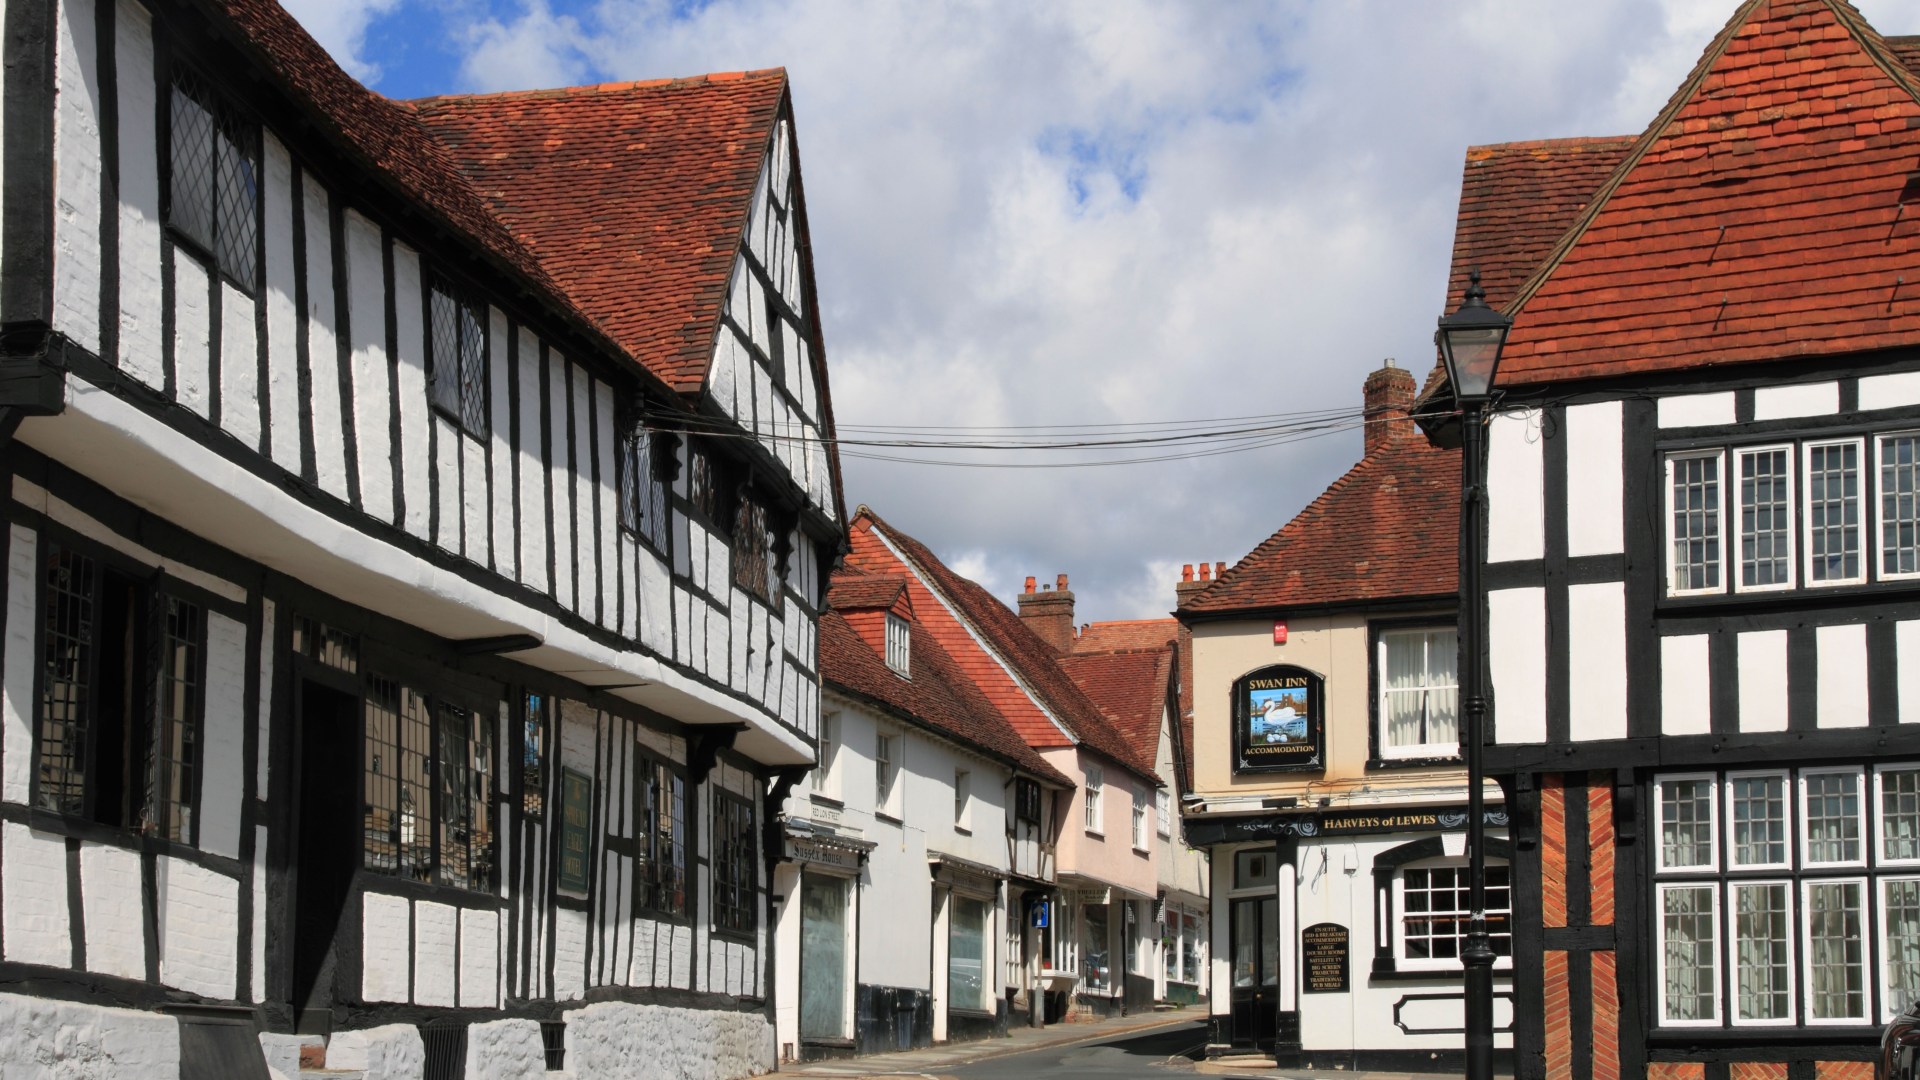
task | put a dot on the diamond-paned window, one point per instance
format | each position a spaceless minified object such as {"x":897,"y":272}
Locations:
{"x":457,"y":378}
{"x":214,"y":177}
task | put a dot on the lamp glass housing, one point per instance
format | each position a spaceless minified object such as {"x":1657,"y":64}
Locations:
{"x":1472,"y":355}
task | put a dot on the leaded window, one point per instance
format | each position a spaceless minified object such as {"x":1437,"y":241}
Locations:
{"x":1833,"y":512}
{"x":323,"y":644}
{"x":660,"y":877}
{"x":752,"y":549}
{"x":428,"y":783}
{"x":1900,"y":937}
{"x":213,"y":177}
{"x":1419,"y":704}
{"x":533,"y":756}
{"x":1766,"y":517}
{"x":457,"y":365}
{"x":643,"y":488}
{"x":1757,"y":811}
{"x":1693,"y":506}
{"x":1899,"y":504}
{"x":1762,"y":952}
{"x":176,"y":752}
{"x":1899,"y":817}
{"x":1686,"y":822}
{"x":1836,"y":951}
{"x":734,"y":878}
{"x":1689,"y":954}
{"x":1831,"y":806}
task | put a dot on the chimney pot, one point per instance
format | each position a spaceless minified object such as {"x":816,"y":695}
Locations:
{"x":1388,"y":397}
{"x":1219,"y":568}
{"x":1049,"y":613}
{"x":1029,"y":582}
{"x":1186,"y":572}
{"x":1060,"y":583}
{"x":1206,"y":572}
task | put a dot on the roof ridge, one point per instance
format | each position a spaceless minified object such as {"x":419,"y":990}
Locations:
{"x":1313,"y":509}
{"x":1553,"y":144}
{"x":594,"y":89}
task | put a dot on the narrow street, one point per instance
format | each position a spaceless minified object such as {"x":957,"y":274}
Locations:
{"x":1148,"y":1054}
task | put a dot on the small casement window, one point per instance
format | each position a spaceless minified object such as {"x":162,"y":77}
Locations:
{"x":1899,"y":456}
{"x":823,"y":778}
{"x":1833,"y":528}
{"x":429,"y":780}
{"x":1026,"y":801}
{"x":1163,"y":811}
{"x":1765,"y":489}
{"x":533,"y":757}
{"x":735,"y":851}
{"x":1435,"y":913}
{"x":710,"y":487}
{"x":660,"y":859}
{"x":1095,"y":788}
{"x":457,"y":351}
{"x":1419,"y":707}
{"x":117,"y":738}
{"x":643,"y":488}
{"x":1140,"y":835}
{"x":962,"y":799}
{"x":213,"y":178}
{"x":884,"y":771}
{"x":1694,"y":533}
{"x":753,"y":550}
{"x":899,"y":644}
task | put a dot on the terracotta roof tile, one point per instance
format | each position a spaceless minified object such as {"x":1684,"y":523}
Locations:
{"x":1130,"y":685}
{"x":634,"y":195}
{"x":1125,"y":634}
{"x":1388,"y":529}
{"x":1760,"y":216}
{"x":1040,"y":680}
{"x":851,"y":588}
{"x":938,"y":696}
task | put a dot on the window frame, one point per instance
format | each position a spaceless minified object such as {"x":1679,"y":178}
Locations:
{"x":1861,"y":829}
{"x":1712,"y":866}
{"x":1879,"y":819}
{"x":1398,"y":924}
{"x":645,"y":491}
{"x":1163,"y":812}
{"x":1717,"y":920}
{"x":886,"y":775}
{"x":1718,"y":455}
{"x":437,"y":702}
{"x":1093,"y":799}
{"x":1728,"y":948}
{"x":1383,"y":744}
{"x":744,"y":893}
{"x":1794,"y":516}
{"x":1863,"y":506}
{"x":1865,"y":884}
{"x":1890,"y":1005}
{"x":647,"y":887}
{"x":1880,"y":571}
{"x":899,"y":640}
{"x":825,"y":782}
{"x":223,"y":110}
{"x":963,"y":800}
{"x":1142,"y":831}
{"x":1789,"y":806}
{"x":470,"y":418}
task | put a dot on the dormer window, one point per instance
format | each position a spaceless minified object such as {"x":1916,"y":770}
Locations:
{"x":898,"y":643}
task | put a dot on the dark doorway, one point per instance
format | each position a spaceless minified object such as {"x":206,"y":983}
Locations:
{"x":1256,"y":970}
{"x":328,"y":785}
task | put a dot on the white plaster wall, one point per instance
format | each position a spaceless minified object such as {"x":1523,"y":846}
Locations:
{"x":410,"y":383}
{"x":199,"y":929}
{"x":1516,"y":512}
{"x":473,"y":498}
{"x":367,"y":340}
{"x":33,"y":897}
{"x":59,"y":1040}
{"x":479,"y":959}
{"x":1841,"y":675}
{"x":618,"y":1041}
{"x":192,"y":333}
{"x":435,"y":961}
{"x":1906,"y":649}
{"x":239,"y":367}
{"x":559,"y":482}
{"x":111,"y":911}
{"x":533,"y":487}
{"x":386,"y":947}
{"x":1686,"y":696}
{"x":223,"y":767}
{"x":504,"y":550}
{"x":323,"y":351}
{"x":1695,"y":410}
{"x":1763,"y":680}
{"x":1801,"y":399}
{"x":283,"y":362}
{"x":17,"y":667}
{"x":76,"y":149}
{"x":1899,"y":390}
{"x":264,"y":706}
{"x":392,"y":1052}
{"x":571,"y":941}
{"x":258,"y":941}
{"x":1597,"y":682}
{"x":446,"y":477}
{"x":1593,"y":435}
{"x":1516,"y":638}
{"x":138,"y":145}
{"x":506,"y":1050}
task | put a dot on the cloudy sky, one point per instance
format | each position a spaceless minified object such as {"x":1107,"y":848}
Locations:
{"x":1102,"y":213}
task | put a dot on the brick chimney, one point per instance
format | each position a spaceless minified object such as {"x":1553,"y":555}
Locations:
{"x":1049,"y":613}
{"x":1389,"y":394}
{"x":1189,"y":583}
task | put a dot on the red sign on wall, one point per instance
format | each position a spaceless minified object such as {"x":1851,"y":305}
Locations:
{"x":1279,"y":631}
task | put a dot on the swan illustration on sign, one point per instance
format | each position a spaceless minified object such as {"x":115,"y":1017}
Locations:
{"x":1278,"y":717}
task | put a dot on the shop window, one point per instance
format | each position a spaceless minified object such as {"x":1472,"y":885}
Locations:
{"x":429,"y":779}
{"x":1096,"y":968}
{"x":734,"y":878}
{"x":1063,"y":936}
{"x":213,"y":178}
{"x":1095,"y":793}
{"x":827,"y":991}
{"x":121,"y":701}
{"x":1787,"y":895}
{"x":643,"y":486}
{"x":1417,"y":671}
{"x":1432,"y":900}
{"x":968,"y":933}
{"x":457,"y":358}
{"x":660,"y":858}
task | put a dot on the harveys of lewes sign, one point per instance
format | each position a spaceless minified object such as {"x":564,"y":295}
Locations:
{"x":1277,"y":720}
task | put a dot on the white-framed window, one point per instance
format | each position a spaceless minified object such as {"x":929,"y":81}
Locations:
{"x":1163,"y":811}
{"x":1431,"y":897}
{"x":1140,"y":833}
{"x":899,"y":642}
{"x":962,"y":799}
{"x":1765,"y":492}
{"x":1898,"y":536}
{"x":1761,"y":947}
{"x":1809,"y":895}
{"x":823,"y":778}
{"x":1832,"y":521}
{"x":886,"y":770}
{"x":1832,"y":809}
{"x":1419,"y":683}
{"x":1065,"y":932}
{"x":1685,"y":804}
{"x":1695,"y":539}
{"x":1095,"y":790}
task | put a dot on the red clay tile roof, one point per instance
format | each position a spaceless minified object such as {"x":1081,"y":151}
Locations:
{"x":937,"y":697}
{"x":1130,"y":686}
{"x":850,"y":588}
{"x":1387,"y":530}
{"x":1758,"y":217}
{"x":1041,"y":689}
{"x":1125,"y":634}
{"x":634,"y":195}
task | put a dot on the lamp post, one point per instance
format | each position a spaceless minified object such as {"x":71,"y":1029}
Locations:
{"x":1470,"y":341}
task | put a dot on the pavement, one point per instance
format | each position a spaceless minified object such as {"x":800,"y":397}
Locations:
{"x":939,"y":1061}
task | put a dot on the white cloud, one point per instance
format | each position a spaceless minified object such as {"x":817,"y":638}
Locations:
{"x":1097,"y":212}
{"x":341,"y":26}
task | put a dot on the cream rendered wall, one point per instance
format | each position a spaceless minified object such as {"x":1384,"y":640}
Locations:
{"x":1334,"y":647}
{"x":1108,"y":856}
{"x":1177,"y":865}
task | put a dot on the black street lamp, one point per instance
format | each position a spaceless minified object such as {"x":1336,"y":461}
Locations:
{"x":1470,"y":341}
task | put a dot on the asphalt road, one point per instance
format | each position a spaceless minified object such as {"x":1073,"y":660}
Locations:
{"x":1143,"y":1056}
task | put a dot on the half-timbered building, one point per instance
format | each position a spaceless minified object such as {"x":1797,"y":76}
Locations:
{"x":416,"y":519}
{"x":1704,"y":639}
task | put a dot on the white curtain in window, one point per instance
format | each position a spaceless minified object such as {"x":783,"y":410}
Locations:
{"x":1835,"y":951}
{"x":1760,"y":948}
{"x":1900,"y":814}
{"x":1421,"y":696}
{"x":1687,"y":933}
{"x":1900,"y":904}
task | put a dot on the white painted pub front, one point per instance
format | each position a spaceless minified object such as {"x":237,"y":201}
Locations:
{"x":378,"y":648}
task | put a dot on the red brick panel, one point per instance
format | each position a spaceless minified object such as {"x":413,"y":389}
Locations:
{"x":1553,"y":850}
{"x":1606,"y":1018}
{"x":1676,"y":1070}
{"x":1758,"y":1070}
{"x":1842,"y":1070}
{"x":1600,"y":847}
{"x":1559,"y":1012}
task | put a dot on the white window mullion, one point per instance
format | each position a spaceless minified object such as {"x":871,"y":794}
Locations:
{"x":1686,"y":958}
{"x":1764,"y":518}
{"x":1836,"y":951}
{"x":1899,"y":937}
{"x":1760,"y":951}
{"x":1832,"y":492}
{"x":1696,"y":540}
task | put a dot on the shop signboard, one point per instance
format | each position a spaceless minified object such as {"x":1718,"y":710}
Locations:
{"x":1278,"y":721}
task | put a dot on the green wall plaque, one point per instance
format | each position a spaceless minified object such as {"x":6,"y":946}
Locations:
{"x":576,"y":815}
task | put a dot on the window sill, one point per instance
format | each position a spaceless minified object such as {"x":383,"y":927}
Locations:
{"x":1438,"y":761}
{"x":1789,"y":1034}
{"x":972,"y":1014}
{"x":1096,"y":834}
{"x":963,"y":830}
{"x":820,"y":798}
{"x":740,"y":937}
{"x":882,"y":815}
{"x":836,"y":1044}
{"x":1803,"y":595}
{"x":1138,"y":850}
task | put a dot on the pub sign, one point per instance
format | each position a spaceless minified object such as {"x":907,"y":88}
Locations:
{"x":1278,"y":720}
{"x":576,"y":814}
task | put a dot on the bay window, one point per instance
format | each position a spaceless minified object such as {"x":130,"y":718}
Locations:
{"x":1809,"y":894}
